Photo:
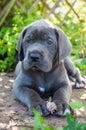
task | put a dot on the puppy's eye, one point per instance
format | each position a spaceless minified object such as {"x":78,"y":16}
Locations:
{"x":30,"y":38}
{"x":45,"y":36}
{"x":49,"y":42}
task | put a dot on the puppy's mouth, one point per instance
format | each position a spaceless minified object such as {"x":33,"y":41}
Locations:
{"x":35,"y":68}
{"x":32,"y":65}
{"x":41,"y":65}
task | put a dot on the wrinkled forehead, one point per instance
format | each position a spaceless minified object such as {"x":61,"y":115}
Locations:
{"x":40,"y":28}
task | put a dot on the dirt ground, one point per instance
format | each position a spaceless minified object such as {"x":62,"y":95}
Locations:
{"x":13,"y":115}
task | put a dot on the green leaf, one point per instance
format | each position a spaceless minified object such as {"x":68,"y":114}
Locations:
{"x":46,"y":127}
{"x":50,"y":99}
{"x":40,"y":123}
{"x":69,"y":127}
{"x":71,"y":120}
{"x":38,"y":120}
{"x":81,"y":126}
{"x":59,"y":128}
{"x":76,"y":105}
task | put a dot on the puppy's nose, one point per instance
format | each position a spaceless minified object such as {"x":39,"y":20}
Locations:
{"x":35,"y":56}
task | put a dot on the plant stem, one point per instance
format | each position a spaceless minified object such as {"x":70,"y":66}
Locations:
{"x":6,"y":14}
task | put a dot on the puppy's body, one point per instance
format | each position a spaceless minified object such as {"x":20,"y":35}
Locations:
{"x":32,"y":87}
{"x":42,"y":48}
{"x":44,"y":83}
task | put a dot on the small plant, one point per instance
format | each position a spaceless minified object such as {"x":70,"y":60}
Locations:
{"x":41,"y":124}
{"x":9,"y":37}
{"x":7,"y":48}
{"x":51,"y":106}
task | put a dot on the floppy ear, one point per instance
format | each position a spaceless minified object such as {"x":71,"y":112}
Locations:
{"x":20,"y":55}
{"x":64,"y":46}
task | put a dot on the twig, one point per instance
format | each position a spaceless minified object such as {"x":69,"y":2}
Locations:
{"x":43,"y":1}
{"x":16,"y":125}
{"x":53,"y":8}
{"x":72,"y":8}
{"x":33,"y":5}
{"x":4,"y":10}
{"x":6,"y":14}
{"x":67,"y":14}
{"x":20,"y":5}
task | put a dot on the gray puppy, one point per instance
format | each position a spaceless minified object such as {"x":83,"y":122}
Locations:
{"x":42,"y":48}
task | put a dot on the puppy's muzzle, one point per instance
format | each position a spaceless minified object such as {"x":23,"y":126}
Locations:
{"x":35,"y":56}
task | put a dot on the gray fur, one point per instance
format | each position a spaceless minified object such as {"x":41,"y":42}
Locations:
{"x":41,"y":73}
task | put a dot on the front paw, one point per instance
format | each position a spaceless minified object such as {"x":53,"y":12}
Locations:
{"x":62,"y":110}
{"x":41,"y":108}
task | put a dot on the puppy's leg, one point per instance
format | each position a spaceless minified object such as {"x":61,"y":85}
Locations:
{"x":63,"y":92}
{"x":61,"y":99}
{"x":31,"y":99}
{"x":74,"y":74}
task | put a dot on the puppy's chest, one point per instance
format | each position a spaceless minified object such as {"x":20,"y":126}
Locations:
{"x":43,"y":83}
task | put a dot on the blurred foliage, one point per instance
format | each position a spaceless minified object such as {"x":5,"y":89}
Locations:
{"x":9,"y":35}
{"x":18,"y":18}
{"x":76,"y":33}
{"x":72,"y":122}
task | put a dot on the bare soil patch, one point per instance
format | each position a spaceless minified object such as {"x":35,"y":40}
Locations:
{"x":14,"y":116}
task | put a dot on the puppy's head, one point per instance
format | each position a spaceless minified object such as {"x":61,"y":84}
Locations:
{"x":40,"y":44}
